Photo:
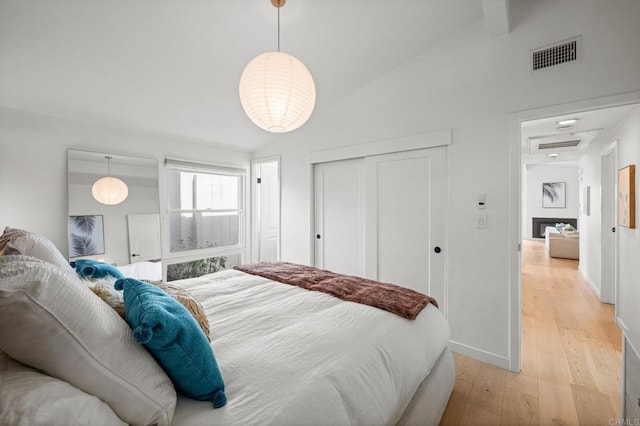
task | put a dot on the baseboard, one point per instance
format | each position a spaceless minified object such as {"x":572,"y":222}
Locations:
{"x":591,"y":284}
{"x":479,"y":354}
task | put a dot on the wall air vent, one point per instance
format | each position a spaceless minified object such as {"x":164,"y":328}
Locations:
{"x":556,"y":54}
{"x":562,"y":144}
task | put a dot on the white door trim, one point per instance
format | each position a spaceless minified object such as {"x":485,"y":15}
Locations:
{"x":387,"y":146}
{"x":608,"y":260}
{"x":515,"y":208}
{"x":255,"y":227}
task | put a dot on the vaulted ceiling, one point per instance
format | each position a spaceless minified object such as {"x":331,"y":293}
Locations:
{"x":172,"y":66}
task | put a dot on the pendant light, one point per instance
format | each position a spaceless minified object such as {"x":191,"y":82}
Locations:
{"x":109,"y":190}
{"x":277,"y":91}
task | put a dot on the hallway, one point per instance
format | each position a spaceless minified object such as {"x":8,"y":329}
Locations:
{"x":571,"y":356}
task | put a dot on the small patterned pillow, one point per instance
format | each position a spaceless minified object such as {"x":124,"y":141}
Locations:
{"x":105,"y":290}
{"x":109,"y":295}
{"x":8,"y":236}
{"x":189,"y":302}
{"x":17,"y":241}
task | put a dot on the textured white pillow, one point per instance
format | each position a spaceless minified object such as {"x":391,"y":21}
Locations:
{"x":35,"y":245}
{"x":30,"y":398}
{"x":51,"y":321}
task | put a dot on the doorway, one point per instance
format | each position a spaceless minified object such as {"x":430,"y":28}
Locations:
{"x":266,"y":212}
{"x":517,"y":148}
{"x":144,"y":237}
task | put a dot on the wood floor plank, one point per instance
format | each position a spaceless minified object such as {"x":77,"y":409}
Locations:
{"x":527,"y":384}
{"x":488,"y":388}
{"x":593,"y":408}
{"x":571,"y":356}
{"x":553,"y":368}
{"x":467,"y":368}
{"x":454,"y":413}
{"x":557,"y":406}
{"x":577,"y":359}
{"x":519,"y":408}
{"x":478,"y":416}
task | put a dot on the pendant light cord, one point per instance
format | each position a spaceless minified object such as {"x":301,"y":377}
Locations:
{"x":278,"y":26}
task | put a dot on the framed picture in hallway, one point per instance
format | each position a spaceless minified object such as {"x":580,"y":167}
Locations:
{"x":627,"y":196}
{"x":554,"y":195}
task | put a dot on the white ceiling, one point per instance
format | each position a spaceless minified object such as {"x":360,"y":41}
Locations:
{"x":591,"y":127}
{"x":172,"y":66}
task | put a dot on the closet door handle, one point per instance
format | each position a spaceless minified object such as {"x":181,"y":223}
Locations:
{"x":318,"y":236}
{"x":437,"y":249}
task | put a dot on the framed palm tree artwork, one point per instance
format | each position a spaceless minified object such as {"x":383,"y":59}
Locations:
{"x":554,"y":195}
{"x":86,"y":235}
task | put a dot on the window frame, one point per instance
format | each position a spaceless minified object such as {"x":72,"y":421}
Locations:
{"x":170,"y":257}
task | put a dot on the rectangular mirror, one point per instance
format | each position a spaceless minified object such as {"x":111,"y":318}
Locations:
{"x":119,"y":232}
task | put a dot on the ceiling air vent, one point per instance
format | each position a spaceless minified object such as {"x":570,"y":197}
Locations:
{"x":562,"y":144}
{"x":556,"y":54}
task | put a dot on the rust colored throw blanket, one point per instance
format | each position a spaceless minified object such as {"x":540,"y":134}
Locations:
{"x":395,"y":299}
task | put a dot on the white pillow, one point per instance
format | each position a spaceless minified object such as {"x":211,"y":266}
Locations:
{"x":34,"y":245}
{"x":151,"y":271}
{"x":51,"y":321}
{"x":30,"y":398}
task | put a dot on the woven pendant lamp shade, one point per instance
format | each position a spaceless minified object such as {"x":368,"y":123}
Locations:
{"x":277,"y":92}
{"x":109,"y":190}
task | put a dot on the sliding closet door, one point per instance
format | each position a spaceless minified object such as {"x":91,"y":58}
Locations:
{"x":406,"y":203}
{"x":339,"y":216}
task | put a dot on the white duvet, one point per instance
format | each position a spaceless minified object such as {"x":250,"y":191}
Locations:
{"x":291,"y":356}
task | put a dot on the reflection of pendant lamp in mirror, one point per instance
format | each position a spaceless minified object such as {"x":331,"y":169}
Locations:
{"x":277,"y":90}
{"x":109,"y":190}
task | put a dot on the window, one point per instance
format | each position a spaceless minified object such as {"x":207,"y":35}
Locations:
{"x":198,"y":267}
{"x":205,"y":207}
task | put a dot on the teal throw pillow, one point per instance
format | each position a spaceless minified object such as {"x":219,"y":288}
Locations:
{"x":171,"y":334}
{"x":89,"y":268}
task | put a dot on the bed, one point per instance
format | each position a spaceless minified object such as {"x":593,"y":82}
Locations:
{"x":288,"y":355}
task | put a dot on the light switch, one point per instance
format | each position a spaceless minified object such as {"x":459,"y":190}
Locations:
{"x":481,"y":221}
{"x":482,"y":201}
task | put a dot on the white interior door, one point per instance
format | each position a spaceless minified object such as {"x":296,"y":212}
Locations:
{"x":339,"y":216}
{"x":268,"y":195}
{"x":406,"y":218}
{"x":144,"y":237}
{"x":608,"y":224}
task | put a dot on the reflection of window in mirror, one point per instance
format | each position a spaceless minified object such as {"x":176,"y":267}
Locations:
{"x":131,"y":228}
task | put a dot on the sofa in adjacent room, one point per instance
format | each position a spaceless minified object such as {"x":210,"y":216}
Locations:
{"x":562,"y":243}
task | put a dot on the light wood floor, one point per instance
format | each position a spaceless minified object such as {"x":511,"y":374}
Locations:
{"x":571,"y":357}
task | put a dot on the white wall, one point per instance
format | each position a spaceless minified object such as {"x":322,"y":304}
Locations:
{"x":590,"y":231}
{"x":533,"y":178}
{"x":627,"y":135}
{"x":33,"y":165}
{"x":471,"y":84}
{"x":628,"y":298}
